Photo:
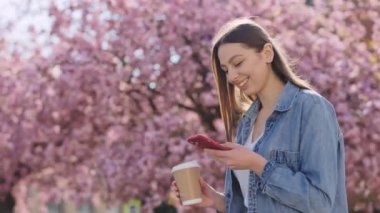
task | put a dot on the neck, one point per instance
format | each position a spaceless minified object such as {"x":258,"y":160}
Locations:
{"x":270,"y":94}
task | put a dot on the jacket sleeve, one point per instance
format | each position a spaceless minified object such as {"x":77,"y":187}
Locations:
{"x":313,"y":187}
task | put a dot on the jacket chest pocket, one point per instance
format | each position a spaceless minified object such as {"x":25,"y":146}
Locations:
{"x":286,"y":158}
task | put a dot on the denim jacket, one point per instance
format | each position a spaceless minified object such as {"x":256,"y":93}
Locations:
{"x":304,"y":147}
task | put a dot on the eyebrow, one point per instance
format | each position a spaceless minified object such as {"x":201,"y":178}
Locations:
{"x":230,"y":60}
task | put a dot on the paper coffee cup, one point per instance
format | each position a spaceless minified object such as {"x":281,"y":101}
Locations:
{"x":186,"y":176}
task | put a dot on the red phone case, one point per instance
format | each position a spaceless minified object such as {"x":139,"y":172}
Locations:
{"x":204,"y":142}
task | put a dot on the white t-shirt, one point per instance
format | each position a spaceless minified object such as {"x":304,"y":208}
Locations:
{"x":243,"y":175}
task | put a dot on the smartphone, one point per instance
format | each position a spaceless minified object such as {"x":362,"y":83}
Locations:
{"x":204,"y":142}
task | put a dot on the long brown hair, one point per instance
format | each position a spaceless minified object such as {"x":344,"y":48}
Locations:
{"x":233,"y":103}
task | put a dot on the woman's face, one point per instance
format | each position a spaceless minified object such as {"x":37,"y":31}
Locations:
{"x":245,"y":68}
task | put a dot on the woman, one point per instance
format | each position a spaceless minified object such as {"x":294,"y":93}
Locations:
{"x":287,"y":148}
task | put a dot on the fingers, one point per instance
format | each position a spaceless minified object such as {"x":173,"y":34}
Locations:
{"x":202,"y":182}
{"x":215,"y":153}
{"x":174,"y":188}
{"x":231,"y":145}
{"x":225,"y":157}
{"x":204,"y":185}
{"x":199,"y":149}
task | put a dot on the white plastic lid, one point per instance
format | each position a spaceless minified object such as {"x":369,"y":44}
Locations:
{"x":185,"y":165}
{"x":192,"y":202}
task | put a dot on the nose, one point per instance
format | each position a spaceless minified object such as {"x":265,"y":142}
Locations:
{"x":232,"y":75}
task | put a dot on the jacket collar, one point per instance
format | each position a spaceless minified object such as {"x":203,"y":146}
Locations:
{"x":284,"y":103}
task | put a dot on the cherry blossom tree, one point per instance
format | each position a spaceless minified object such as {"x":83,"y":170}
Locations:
{"x":109,"y":110}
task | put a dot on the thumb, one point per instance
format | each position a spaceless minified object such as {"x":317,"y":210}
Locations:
{"x":202,"y":182}
{"x":204,"y":185}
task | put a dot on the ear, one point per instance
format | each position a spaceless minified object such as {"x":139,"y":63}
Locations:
{"x":268,"y":52}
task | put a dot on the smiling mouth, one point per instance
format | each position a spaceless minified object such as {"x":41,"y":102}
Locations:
{"x":243,"y":84}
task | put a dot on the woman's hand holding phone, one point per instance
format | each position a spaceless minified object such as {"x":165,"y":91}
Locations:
{"x":202,"y":141}
{"x":239,"y":157}
{"x":233,"y":155}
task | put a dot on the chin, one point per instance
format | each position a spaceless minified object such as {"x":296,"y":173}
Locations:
{"x":251,"y":92}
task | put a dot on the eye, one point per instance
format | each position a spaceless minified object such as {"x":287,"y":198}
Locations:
{"x":238,"y":64}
